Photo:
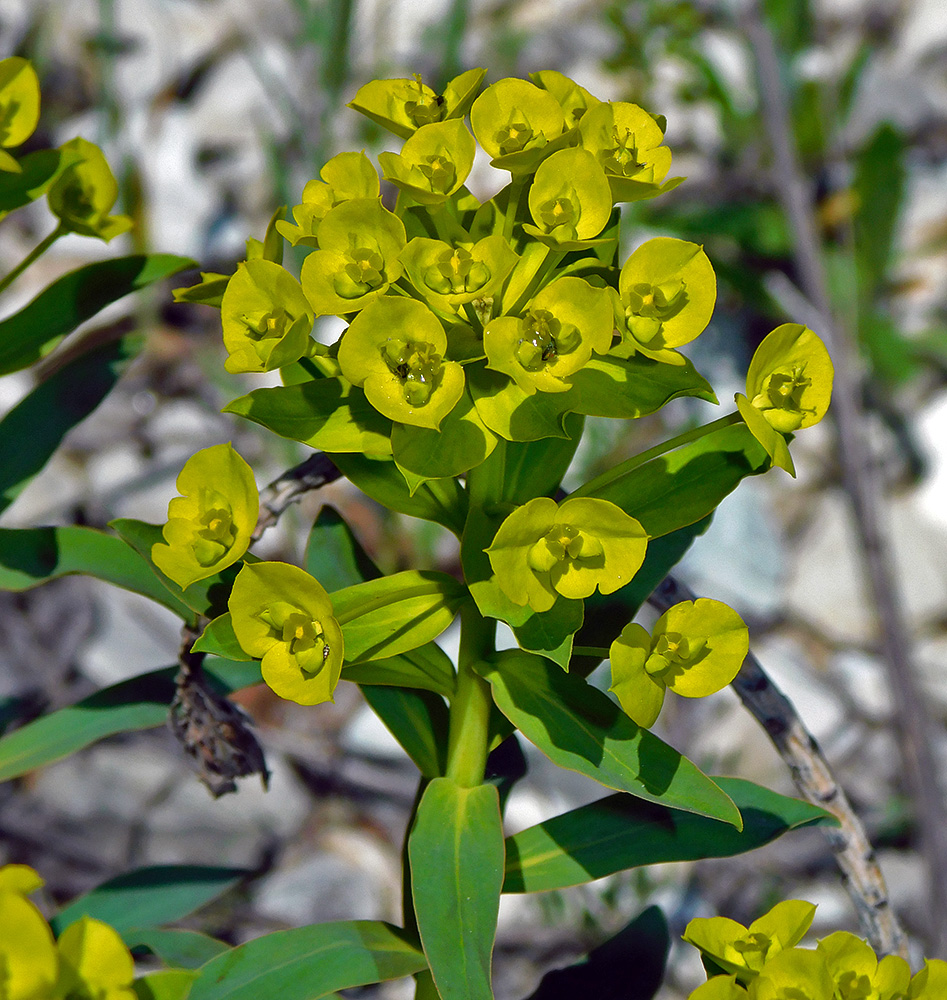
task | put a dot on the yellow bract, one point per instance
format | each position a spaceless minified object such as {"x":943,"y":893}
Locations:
{"x":210,"y":525}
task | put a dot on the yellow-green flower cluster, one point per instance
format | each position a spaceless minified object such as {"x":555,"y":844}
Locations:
{"x":763,"y":962}
{"x":89,"y":960}
{"x":459,"y":318}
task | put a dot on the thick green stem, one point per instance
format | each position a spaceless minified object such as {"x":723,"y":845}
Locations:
{"x":632,"y":463}
{"x":470,"y":706}
{"x":32,"y":256}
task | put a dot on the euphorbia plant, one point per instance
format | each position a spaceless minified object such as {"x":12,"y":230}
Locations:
{"x":478,"y":337}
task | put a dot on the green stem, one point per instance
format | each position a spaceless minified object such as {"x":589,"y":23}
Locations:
{"x":33,"y":255}
{"x":310,"y":368}
{"x":599,"y":652}
{"x":517,"y":189}
{"x":621,"y":470}
{"x":470,"y":707}
{"x":550,"y":261}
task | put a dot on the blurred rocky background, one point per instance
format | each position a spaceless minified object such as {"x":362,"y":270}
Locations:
{"x":213,"y":113}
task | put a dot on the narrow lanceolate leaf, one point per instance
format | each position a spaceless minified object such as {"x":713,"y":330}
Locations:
{"x":30,"y":556}
{"x":139,"y":703}
{"x":580,"y":728}
{"x":171,"y":984}
{"x":620,"y":832}
{"x":35,"y":330}
{"x":418,"y":720}
{"x":178,"y":948}
{"x":396,"y":613}
{"x":34,"y":428}
{"x":428,"y":667}
{"x":333,"y":553}
{"x":456,"y":854}
{"x":310,"y":962}
{"x":149,"y":897}
{"x":685,"y":485}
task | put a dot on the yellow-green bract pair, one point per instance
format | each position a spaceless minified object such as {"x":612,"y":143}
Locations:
{"x":279,"y":613}
{"x":762,"y":962}
{"x":88,"y":960}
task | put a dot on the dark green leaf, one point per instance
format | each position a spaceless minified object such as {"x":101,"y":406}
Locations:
{"x":396,"y":613}
{"x":550,"y":632}
{"x":456,"y":854}
{"x":620,"y":832}
{"x":310,"y":962}
{"x":34,"y":428}
{"x":333,"y":554}
{"x":183,"y":949}
{"x":75,"y":297}
{"x":536,"y":468}
{"x":170,"y":984}
{"x":31,"y":556}
{"x":580,"y":728}
{"x":418,"y":720}
{"x":39,"y":170}
{"x":219,"y":638}
{"x":206,"y":597}
{"x":428,"y":667}
{"x":642,"y":945}
{"x":149,"y":897}
{"x":442,"y":500}
{"x":328,"y":414}
{"x":685,"y":485}
{"x":139,"y":703}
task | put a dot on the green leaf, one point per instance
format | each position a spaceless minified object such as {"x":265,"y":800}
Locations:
{"x":632,"y":387}
{"x":620,"y":832}
{"x":38,"y":171}
{"x":440,"y":500}
{"x":578,"y":727}
{"x":879,"y":192}
{"x":550,"y":633}
{"x":642,"y":945}
{"x":34,"y":428}
{"x":396,"y":613}
{"x":685,"y":485}
{"x":219,"y":638}
{"x":149,"y":897}
{"x":172,"y":984}
{"x":535,"y":468}
{"x":31,"y":556}
{"x":184,"y":949}
{"x":428,"y":668}
{"x":138,"y":703}
{"x":75,"y":297}
{"x":456,"y":854}
{"x":333,"y":553}
{"x":207,"y":597}
{"x":418,"y":720}
{"x":310,"y":962}
{"x":328,"y":414}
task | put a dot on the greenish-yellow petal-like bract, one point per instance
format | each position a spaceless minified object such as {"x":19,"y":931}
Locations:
{"x":719,"y":988}
{"x":569,"y":200}
{"x":29,"y":963}
{"x":95,"y":962}
{"x":794,"y":973}
{"x":638,"y":691}
{"x":284,"y":616}
{"x":83,"y":195}
{"x":346,"y":177}
{"x":266,"y":317}
{"x":19,"y":107}
{"x":395,"y":349}
{"x":554,"y":338}
{"x":404,"y":106}
{"x":518,"y":124}
{"x":668,"y":290}
{"x":357,"y":260}
{"x":573,"y":99}
{"x":434,"y":163}
{"x":931,"y":982}
{"x":210,"y":524}
{"x":790,"y":378}
{"x":627,"y":142}
{"x":544,"y":549}
{"x":856,"y":971}
{"x":743,"y":951}
{"x":449,"y":276}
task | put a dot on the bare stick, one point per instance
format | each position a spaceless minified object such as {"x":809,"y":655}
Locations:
{"x":317,"y":470}
{"x":813,"y":777}
{"x":913,"y":727}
